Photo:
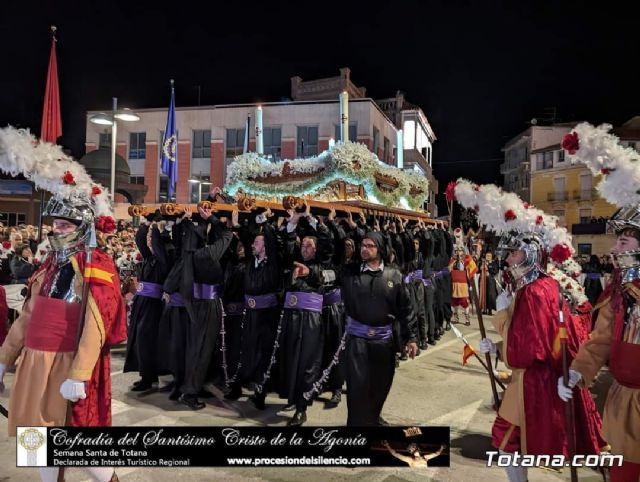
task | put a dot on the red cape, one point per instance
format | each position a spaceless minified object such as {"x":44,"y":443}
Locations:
{"x":533,"y":330}
{"x":95,"y":410}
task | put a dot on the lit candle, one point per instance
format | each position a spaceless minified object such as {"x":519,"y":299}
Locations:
{"x":259,"y":136}
{"x":344,"y":117}
{"x":332,"y":142}
{"x":400,"y":149}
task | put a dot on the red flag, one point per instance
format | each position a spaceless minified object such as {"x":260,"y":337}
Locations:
{"x":51,"y":120}
{"x":467,"y":352}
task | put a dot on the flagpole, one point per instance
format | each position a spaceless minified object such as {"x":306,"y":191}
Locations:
{"x":114,"y":129}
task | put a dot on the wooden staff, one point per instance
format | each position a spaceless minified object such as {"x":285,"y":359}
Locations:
{"x":568,"y":405}
{"x":483,"y":334}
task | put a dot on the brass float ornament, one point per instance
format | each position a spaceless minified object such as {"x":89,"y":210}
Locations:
{"x":206,"y":205}
{"x":293,"y":202}
{"x":245,"y":203}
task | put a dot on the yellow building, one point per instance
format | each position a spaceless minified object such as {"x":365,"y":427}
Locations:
{"x":568,"y":191}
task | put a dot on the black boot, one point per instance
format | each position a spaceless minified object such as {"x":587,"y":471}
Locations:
{"x":431,"y":341}
{"x":175,"y":393}
{"x":234,"y":393}
{"x":191,"y":401}
{"x":335,"y":398}
{"x":258,"y":400}
{"x":298,"y":418}
{"x":143,"y":385}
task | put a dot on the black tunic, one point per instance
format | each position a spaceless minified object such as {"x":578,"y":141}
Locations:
{"x":142,"y":344}
{"x":372,"y":298}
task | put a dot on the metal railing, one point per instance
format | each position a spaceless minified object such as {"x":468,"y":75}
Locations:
{"x":558,"y":196}
{"x":585,"y":194}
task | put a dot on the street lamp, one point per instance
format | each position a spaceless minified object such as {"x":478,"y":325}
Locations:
{"x":126,"y":115}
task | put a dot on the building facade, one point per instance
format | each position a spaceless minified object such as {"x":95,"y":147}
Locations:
{"x":516,"y":167}
{"x":568,"y":191}
{"x":209,"y":137}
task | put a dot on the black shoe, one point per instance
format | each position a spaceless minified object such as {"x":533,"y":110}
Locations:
{"x":143,"y":386}
{"x":168,"y":387}
{"x":192,"y":402}
{"x":447,"y":327}
{"x":234,"y":393}
{"x":404,"y":357}
{"x":423,"y":345}
{"x":298,"y":419}
{"x":336,"y":398}
{"x":258,"y":400}
{"x":418,"y":352}
{"x":289,"y":408}
{"x":175,"y":394}
{"x":431,"y":341}
{"x":437,"y":336}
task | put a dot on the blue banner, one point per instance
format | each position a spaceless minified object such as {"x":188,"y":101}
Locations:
{"x":169,"y":147}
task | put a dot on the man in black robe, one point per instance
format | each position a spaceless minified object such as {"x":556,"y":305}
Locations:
{"x":146,"y":311}
{"x":374,"y":295}
{"x":262,"y":286}
{"x":203,"y":304}
{"x":301,"y":342}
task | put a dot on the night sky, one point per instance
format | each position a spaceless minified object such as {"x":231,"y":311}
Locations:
{"x":479,"y":70}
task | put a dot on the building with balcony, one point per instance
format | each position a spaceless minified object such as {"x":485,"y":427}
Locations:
{"x":516,"y":167}
{"x":568,"y":191}
{"x":209,"y":137}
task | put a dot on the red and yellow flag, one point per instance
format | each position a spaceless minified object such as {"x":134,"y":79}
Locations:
{"x":561,"y":334}
{"x":467,"y":352}
{"x":97,"y":274}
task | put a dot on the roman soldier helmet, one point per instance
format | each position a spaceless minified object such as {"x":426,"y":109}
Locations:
{"x":619,"y":166}
{"x":75,"y":196}
{"x":520,"y":226}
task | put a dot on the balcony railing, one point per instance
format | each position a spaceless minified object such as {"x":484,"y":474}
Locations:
{"x":585,"y":194}
{"x":558,"y":196}
{"x":589,"y":228}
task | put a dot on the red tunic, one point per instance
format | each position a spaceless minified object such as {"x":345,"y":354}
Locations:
{"x":531,"y":346}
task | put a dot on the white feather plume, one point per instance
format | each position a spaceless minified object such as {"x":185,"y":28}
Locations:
{"x":602,"y":153}
{"x":46,"y":164}
{"x":492,"y":205}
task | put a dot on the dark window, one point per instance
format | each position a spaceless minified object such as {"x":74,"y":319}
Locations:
{"x":104,"y":141}
{"x":387,"y":151}
{"x":584,"y":248}
{"x":136,"y":179}
{"x":307,"y":141}
{"x":13,"y":219}
{"x":272,"y":139}
{"x":353,"y":132}
{"x":376,"y":140}
{"x":235,"y":143}
{"x":561,"y":156}
{"x":547,"y":161}
{"x":200,"y":189}
{"x":201,"y":147}
{"x":137,"y":148}
{"x":164,"y":189}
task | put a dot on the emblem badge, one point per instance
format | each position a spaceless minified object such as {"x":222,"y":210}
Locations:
{"x":251,"y":302}
{"x":371,"y":332}
{"x":390,"y":284}
{"x":140,"y":287}
{"x":293,"y":300}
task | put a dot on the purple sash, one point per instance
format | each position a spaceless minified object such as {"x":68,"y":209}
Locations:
{"x":203,"y":291}
{"x":355,"y":328}
{"x":441,"y":273}
{"x":332,"y":297}
{"x":260,"y":302}
{"x":299,"y":300}
{"x":427,"y":281}
{"x":593,"y":275}
{"x":176,"y":299}
{"x":233,"y":308}
{"x":149,"y":290}
{"x":417,"y":274}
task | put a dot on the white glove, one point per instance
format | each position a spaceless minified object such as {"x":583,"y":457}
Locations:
{"x":72,"y":390}
{"x":487,"y":346}
{"x":3,"y":369}
{"x":503,"y":301}
{"x":566,"y":393}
